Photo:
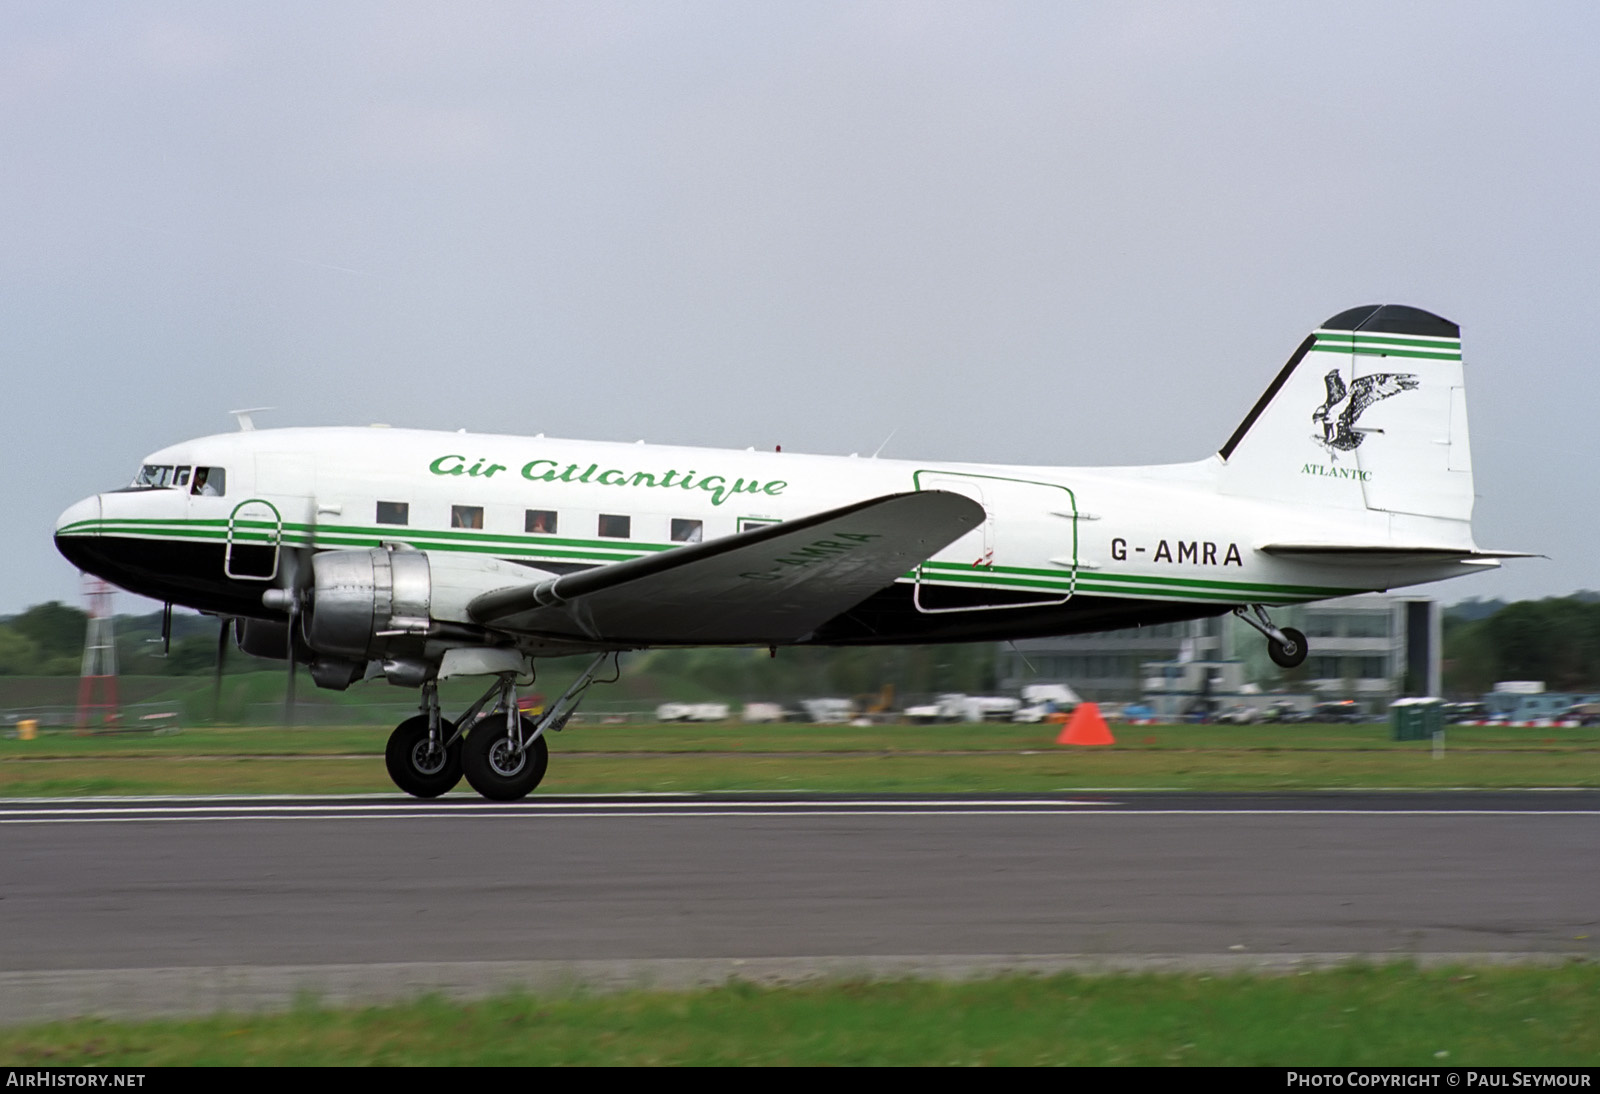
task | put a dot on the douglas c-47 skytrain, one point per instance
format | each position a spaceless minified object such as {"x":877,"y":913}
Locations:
{"x":416,"y":555}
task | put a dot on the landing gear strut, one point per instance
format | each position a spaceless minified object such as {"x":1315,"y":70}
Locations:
{"x":504,"y":765}
{"x":1286,"y":646}
{"x":502,"y":754}
{"x":424,"y":753}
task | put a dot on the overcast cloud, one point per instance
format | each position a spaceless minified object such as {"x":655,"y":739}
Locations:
{"x":1045,"y":233}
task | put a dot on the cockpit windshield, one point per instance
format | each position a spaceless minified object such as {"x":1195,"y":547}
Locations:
{"x":204,"y":481}
{"x":154,"y":475}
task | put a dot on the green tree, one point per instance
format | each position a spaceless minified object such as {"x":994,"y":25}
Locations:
{"x":56,"y":629}
{"x":19,"y":654}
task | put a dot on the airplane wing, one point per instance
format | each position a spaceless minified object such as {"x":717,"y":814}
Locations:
{"x":768,"y":585}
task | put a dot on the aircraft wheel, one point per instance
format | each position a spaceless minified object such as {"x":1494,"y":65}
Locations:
{"x":1288,"y":656}
{"x":496,"y":768}
{"x":421,"y":770}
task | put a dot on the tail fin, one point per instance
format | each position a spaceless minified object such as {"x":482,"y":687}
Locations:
{"x":1369,"y":413}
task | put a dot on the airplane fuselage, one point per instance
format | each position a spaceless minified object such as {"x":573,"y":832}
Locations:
{"x":417,"y":556}
{"x":1062,"y":550}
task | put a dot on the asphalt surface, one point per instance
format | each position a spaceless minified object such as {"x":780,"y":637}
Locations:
{"x":181,"y":904}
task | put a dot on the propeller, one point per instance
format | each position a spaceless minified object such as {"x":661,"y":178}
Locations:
{"x":225,"y":624}
{"x":292,"y":598}
{"x":288,"y":686}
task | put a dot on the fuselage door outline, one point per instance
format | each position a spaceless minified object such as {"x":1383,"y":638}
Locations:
{"x":249,"y":519}
{"x":1049,"y":502}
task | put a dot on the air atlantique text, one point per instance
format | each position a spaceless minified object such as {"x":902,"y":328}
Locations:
{"x":717,"y":486}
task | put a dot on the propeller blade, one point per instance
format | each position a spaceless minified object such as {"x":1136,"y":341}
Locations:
{"x":288,"y":691}
{"x":296,"y":576}
{"x":224,"y":625}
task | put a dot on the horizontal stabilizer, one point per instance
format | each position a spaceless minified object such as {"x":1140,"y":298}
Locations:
{"x":768,"y":585}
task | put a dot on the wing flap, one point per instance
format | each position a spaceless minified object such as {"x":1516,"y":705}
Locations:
{"x":768,"y":585}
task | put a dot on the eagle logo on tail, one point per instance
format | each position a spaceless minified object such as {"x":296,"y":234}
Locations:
{"x":1338,"y":416}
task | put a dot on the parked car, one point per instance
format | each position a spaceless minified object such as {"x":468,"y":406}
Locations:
{"x":1285,"y":713}
{"x":1345,"y":712}
{"x":1238,"y":716}
{"x":1585,"y":714}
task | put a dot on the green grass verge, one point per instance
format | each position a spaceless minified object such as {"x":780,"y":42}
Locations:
{"x":876,"y":759}
{"x":1392,"y":1015}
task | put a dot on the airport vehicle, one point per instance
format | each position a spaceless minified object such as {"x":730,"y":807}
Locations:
{"x":954,"y":706}
{"x":1342,"y":712}
{"x":414,"y":555}
{"x":1284,"y":712}
{"x":1040,"y":701}
{"x":1583,"y":714}
{"x":1238,"y":715}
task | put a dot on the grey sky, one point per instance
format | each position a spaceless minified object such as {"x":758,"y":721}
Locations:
{"x":1048,"y":233}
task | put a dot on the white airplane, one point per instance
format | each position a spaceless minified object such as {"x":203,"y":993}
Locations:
{"x":417,"y":555}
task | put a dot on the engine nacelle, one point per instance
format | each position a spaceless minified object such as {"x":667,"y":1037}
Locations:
{"x":263,"y":637}
{"x":401,"y":605}
{"x":357,"y":594}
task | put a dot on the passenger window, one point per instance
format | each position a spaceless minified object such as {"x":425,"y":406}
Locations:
{"x":210,"y":482}
{"x":747,"y":523}
{"x":687,"y":531}
{"x":466,"y":516}
{"x":615,"y":527}
{"x":394,"y":512}
{"x":541,"y":522}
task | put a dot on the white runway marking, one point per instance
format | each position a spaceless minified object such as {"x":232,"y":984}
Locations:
{"x":285,"y":808}
{"x":180,"y":810}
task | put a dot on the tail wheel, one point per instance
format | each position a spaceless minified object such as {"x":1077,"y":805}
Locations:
{"x":497,"y":768}
{"x":423,"y":768}
{"x":1291,"y":654}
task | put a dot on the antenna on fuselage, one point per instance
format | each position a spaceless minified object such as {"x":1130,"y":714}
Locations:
{"x":246,"y":424}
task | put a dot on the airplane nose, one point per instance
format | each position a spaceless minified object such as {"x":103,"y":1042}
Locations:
{"x":80,"y":519}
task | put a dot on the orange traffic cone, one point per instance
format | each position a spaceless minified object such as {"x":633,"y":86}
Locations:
{"x":1086,"y":727}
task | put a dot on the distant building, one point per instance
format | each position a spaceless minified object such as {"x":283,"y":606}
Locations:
{"x":1109,"y":666}
{"x":1373,"y":648}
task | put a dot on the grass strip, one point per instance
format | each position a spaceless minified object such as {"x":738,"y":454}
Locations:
{"x":1390,"y":1015}
{"x":728,"y":737}
{"x":802,"y":758}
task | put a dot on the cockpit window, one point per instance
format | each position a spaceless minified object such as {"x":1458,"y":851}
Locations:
{"x":210,"y":482}
{"x":154,"y":475}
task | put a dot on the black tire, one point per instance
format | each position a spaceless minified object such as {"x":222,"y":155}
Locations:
{"x":495,"y":769}
{"x":410,"y":766}
{"x":1291,"y":656}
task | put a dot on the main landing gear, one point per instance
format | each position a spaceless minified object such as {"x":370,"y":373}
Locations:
{"x":502,"y":753}
{"x":1286,"y":646}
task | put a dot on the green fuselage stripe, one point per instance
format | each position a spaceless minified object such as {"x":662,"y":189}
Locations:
{"x":303,"y":535}
{"x":1241,"y":587}
{"x":554,"y":549}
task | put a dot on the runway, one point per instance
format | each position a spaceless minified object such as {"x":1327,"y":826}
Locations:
{"x":181,"y":903}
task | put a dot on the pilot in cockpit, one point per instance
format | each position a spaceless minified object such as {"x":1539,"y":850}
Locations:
{"x":204,"y":486}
